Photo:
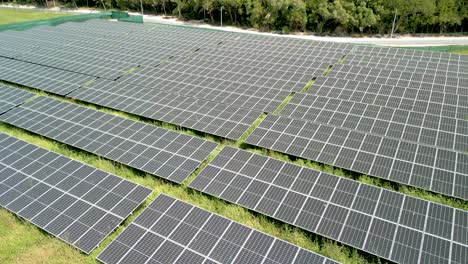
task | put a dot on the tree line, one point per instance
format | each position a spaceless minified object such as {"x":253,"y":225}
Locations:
{"x":320,"y":16}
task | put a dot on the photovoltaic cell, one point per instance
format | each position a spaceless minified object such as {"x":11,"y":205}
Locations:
{"x":426,"y":167}
{"x":74,"y":202}
{"x":152,"y":149}
{"x":41,"y":77}
{"x":388,"y":224}
{"x":172,"y":231}
{"x":11,"y":97}
{"x":207,"y":116}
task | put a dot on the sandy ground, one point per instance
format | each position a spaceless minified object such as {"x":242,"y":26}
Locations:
{"x":396,"y":41}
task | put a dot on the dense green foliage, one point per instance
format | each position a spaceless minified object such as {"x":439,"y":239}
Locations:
{"x":364,"y":16}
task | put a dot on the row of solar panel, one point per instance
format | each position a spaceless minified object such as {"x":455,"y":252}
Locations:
{"x":283,"y":191}
{"x":171,"y":155}
{"x":388,"y":224}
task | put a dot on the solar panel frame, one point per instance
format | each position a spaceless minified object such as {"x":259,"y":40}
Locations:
{"x":219,"y":90}
{"x":430,"y":82}
{"x":55,"y":193}
{"x":172,"y":231}
{"x":350,"y":212}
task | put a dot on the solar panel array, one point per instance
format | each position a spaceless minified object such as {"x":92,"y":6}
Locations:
{"x":207,"y":116}
{"x":40,"y":77}
{"x":152,"y":149}
{"x":382,"y":222}
{"x":172,"y":231}
{"x":426,"y":167}
{"x":423,"y":81}
{"x":405,"y":98}
{"x":11,"y":97}
{"x":70,"y":200}
{"x":405,"y":65}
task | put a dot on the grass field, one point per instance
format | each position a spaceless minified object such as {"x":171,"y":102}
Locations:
{"x":10,"y":15}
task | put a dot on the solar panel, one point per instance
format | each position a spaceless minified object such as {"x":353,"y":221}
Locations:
{"x":11,"y":97}
{"x":423,"y":81}
{"x":110,"y":44}
{"x":40,"y":77}
{"x":426,"y":167}
{"x":172,"y":231}
{"x":152,"y":149}
{"x":405,"y":98}
{"x":74,"y":202}
{"x":405,"y":65}
{"x":388,"y":224}
{"x":411,"y":126}
{"x":213,"y":118}
{"x":411,"y":54}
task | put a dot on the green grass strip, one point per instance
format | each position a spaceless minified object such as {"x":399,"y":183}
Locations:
{"x":284,"y":103}
{"x":249,"y":131}
{"x":307,"y":86}
{"x":327,"y":70}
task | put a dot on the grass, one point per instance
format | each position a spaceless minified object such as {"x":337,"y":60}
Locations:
{"x":10,"y":15}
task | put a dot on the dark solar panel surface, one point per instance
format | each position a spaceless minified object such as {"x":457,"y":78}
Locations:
{"x":427,"y":167}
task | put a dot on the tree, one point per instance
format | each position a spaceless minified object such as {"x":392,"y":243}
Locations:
{"x":180,"y":4}
{"x":447,"y":14}
{"x":233,"y":7}
{"x":362,"y":15}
